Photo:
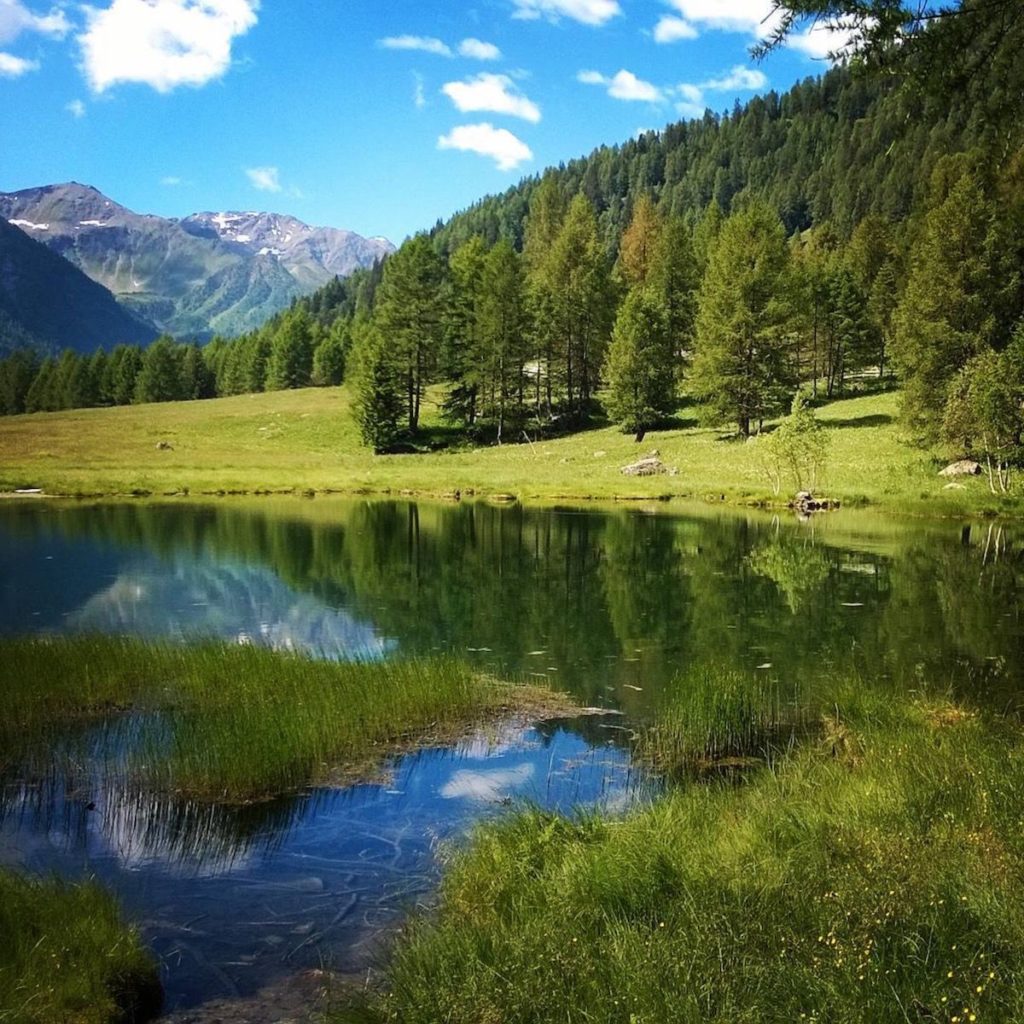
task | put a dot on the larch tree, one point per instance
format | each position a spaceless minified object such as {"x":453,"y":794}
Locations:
{"x":741,"y":369}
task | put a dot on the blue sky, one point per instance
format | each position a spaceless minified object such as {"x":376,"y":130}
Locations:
{"x":375,"y":115}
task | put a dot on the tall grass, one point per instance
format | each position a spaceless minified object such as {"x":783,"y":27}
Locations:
{"x":227,"y":723}
{"x":66,"y":956}
{"x":873,"y":875}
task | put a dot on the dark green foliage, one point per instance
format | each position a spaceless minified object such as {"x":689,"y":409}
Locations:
{"x":291,"y":352}
{"x":640,"y":371}
{"x":160,"y":378}
{"x":329,"y":356}
{"x":409,"y":316}
{"x":741,"y":365}
{"x":381,"y":390}
{"x":462,"y":348}
{"x":17,"y":372}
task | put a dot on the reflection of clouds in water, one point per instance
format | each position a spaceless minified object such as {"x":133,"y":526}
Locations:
{"x":228,"y":602}
{"x":503,"y":738}
{"x":485,"y":785}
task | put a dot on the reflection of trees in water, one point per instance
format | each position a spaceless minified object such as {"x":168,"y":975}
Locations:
{"x":609,"y":599}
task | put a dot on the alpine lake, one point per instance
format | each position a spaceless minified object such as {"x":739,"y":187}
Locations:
{"x":606,"y":604}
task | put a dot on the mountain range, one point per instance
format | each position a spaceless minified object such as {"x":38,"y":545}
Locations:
{"x":209,"y":273}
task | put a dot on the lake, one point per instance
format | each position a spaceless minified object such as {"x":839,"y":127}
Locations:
{"x":609,"y":605}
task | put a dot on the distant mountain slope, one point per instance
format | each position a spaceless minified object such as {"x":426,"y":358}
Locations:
{"x":46,"y":301}
{"x":311,"y":255}
{"x":210,"y":273}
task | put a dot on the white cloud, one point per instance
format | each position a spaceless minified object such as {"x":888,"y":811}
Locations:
{"x":499,"y":144}
{"x":495,"y":93}
{"x":170,"y":181}
{"x":16,"y":18}
{"x":691,"y":102}
{"x":739,"y":78}
{"x":476,"y":49}
{"x":624,"y":85}
{"x":76,"y":108}
{"x":820,"y":41}
{"x":752,"y":17}
{"x":425,"y":44}
{"x":162,"y":43}
{"x":419,"y":96}
{"x":589,"y":12}
{"x":264,"y":179}
{"x":15,"y":67}
{"x":671,"y":29}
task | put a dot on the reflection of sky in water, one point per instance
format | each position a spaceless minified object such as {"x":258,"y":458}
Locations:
{"x":86,"y":588}
{"x":270,"y":890}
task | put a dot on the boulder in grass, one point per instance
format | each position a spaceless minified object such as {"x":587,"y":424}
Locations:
{"x":649,"y":466}
{"x":965,"y":467}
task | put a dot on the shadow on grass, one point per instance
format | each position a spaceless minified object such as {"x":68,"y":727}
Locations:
{"x":878,"y":419}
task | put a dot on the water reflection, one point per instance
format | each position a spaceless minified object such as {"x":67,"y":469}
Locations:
{"x":607,"y":605}
{"x":232,"y":898}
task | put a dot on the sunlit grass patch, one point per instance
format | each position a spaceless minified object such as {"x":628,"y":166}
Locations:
{"x":66,"y":956}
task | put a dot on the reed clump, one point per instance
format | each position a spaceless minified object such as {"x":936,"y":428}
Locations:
{"x":231,"y":723}
{"x":66,"y":955}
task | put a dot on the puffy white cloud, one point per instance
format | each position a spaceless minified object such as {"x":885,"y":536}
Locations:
{"x":264,"y":179}
{"x":15,"y":67}
{"x":425,"y":44}
{"x":476,"y":49}
{"x":739,"y":78}
{"x":162,"y":43}
{"x":820,"y":41}
{"x":752,"y":17}
{"x":499,"y":144}
{"x":671,"y":29}
{"x":76,"y":108}
{"x":494,"y":93}
{"x":589,"y":12}
{"x":690,"y":97}
{"x":624,"y":85}
{"x":16,"y":18}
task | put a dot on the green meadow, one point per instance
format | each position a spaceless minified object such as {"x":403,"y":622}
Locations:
{"x":307,"y":440}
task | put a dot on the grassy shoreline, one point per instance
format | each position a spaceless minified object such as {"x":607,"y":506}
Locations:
{"x":67,"y":955}
{"x":306,"y":442}
{"x":869,"y":872}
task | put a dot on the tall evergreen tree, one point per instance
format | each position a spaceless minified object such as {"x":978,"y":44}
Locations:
{"x":291,"y":351}
{"x":408,"y":315}
{"x":740,"y":369}
{"x":380,"y":389}
{"x":159,"y":378}
{"x":462,"y":348}
{"x":640,"y":370}
{"x":640,"y":247}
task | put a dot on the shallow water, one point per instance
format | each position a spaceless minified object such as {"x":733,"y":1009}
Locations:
{"x":608,"y":605}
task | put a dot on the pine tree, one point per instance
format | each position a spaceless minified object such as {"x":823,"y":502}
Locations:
{"x":41,"y":393}
{"x":17,"y":372}
{"x":330,"y":355}
{"x":640,"y":369}
{"x":409,"y":316}
{"x":291,"y":352}
{"x":740,"y":369}
{"x":676,"y":278}
{"x":380,"y":390}
{"x":504,"y":337}
{"x":949,"y":311}
{"x":159,"y":378}
{"x":461,"y":350}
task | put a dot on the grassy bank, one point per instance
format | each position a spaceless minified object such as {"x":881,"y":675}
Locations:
{"x":229,"y":723}
{"x":873,"y":874}
{"x":66,"y":955}
{"x":307,"y":440}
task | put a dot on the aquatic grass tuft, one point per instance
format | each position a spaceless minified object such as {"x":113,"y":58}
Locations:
{"x":66,"y":955}
{"x":231,"y":723}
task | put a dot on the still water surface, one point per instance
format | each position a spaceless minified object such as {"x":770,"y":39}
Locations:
{"x":609,"y":605}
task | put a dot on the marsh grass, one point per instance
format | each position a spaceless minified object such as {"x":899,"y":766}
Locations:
{"x":873,"y":874}
{"x":230,"y":723}
{"x":66,"y":956}
{"x":719,"y":721}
